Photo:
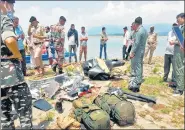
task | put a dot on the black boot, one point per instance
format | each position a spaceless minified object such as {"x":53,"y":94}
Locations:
{"x":58,"y":106}
{"x":54,"y":68}
{"x":135,"y":90}
{"x":173,"y":85}
{"x":60,"y":71}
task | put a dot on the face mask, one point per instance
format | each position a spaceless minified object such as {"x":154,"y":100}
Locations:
{"x":10,"y":14}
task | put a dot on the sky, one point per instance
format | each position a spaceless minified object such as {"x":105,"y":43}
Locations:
{"x":97,"y":13}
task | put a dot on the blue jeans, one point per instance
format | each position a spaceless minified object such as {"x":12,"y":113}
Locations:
{"x":105,"y":50}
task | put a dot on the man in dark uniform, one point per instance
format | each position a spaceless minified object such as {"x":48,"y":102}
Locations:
{"x":178,"y":60}
{"x":137,"y":54}
{"x":14,"y":90}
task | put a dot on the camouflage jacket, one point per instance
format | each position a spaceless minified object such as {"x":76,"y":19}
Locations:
{"x":57,"y":33}
{"x":11,"y":73}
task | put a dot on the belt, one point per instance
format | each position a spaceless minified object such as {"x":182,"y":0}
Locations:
{"x":12,"y":60}
{"x":38,"y":43}
{"x":5,"y":60}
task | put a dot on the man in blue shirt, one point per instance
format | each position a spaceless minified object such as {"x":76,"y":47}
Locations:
{"x":20,"y":38}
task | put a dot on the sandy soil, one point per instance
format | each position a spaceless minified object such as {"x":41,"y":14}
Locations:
{"x":168,"y":113}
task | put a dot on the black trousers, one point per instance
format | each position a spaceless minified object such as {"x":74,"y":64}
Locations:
{"x":23,"y":62}
{"x":124,"y":51}
{"x":168,"y":59}
{"x":128,"y":53}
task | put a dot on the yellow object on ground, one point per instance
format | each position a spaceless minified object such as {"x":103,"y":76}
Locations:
{"x":103,"y":65}
{"x":65,"y":122}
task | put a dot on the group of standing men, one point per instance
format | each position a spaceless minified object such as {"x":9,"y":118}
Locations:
{"x":143,"y":43}
{"x":128,"y":41}
{"x":134,"y":46}
{"x":14,"y":89}
{"x":54,"y":38}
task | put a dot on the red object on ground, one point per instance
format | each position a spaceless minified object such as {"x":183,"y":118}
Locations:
{"x":83,"y":93}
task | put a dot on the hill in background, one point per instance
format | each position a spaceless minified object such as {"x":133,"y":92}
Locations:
{"x":162,"y":29}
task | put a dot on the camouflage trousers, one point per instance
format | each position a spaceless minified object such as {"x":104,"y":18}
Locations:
{"x":60,"y":58}
{"x":20,"y":97}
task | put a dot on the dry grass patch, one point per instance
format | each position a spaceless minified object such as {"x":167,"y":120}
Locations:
{"x":150,"y":91}
{"x":178,"y":120}
{"x":138,"y":126}
{"x":155,"y":116}
{"x":121,"y":83}
{"x":166,"y":110}
{"x":178,"y":104}
{"x":128,"y":69}
{"x":48,"y":73}
{"x":143,"y":113}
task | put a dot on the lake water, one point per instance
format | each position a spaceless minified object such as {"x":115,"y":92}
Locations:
{"x":114,"y":47}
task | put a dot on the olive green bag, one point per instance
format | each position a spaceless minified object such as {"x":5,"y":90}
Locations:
{"x":90,"y":114}
{"x":92,"y":117}
{"x":120,"y":110}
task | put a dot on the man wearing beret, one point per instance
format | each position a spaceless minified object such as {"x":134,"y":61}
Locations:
{"x":137,"y":54}
{"x":14,"y":89}
{"x":178,"y":63}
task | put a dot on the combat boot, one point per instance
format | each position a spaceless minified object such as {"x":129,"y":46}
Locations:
{"x":54,"y":68}
{"x":60,"y":71}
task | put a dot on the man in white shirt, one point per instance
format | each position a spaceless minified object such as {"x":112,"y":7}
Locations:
{"x":73,"y":41}
{"x":126,"y":37}
{"x":83,"y":43}
{"x":168,"y":58}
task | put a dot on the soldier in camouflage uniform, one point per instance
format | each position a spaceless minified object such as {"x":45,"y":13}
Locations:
{"x":58,"y":37}
{"x":14,"y":90}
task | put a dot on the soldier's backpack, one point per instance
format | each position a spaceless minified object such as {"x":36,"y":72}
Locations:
{"x":81,"y":102}
{"x":91,"y":115}
{"x":120,"y":110}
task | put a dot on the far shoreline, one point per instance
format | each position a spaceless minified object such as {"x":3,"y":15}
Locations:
{"x":119,"y":35}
